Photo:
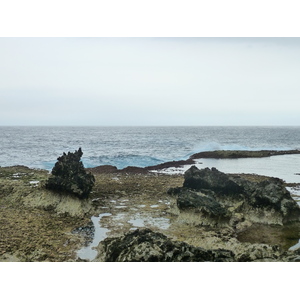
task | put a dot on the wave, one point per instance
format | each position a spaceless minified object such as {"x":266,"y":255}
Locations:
{"x":121,"y":161}
{"x":125,"y":160}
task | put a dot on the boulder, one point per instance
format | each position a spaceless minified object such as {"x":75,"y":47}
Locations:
{"x":206,"y":179}
{"x":145,"y":245}
{"x":188,"y":199}
{"x":69,"y":176}
{"x":215,"y":192}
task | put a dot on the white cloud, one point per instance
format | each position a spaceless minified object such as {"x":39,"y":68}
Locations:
{"x":148,"y":81}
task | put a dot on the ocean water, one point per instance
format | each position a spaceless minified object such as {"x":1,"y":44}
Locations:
{"x":39,"y":147}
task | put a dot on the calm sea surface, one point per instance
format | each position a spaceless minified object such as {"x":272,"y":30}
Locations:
{"x":39,"y":147}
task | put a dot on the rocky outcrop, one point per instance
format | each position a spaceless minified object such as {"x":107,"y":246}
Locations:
{"x":241,"y":153}
{"x":69,"y":176}
{"x":212,"y":191}
{"x":144,"y":245}
{"x":214,"y":180}
{"x":107,"y":169}
{"x":188,"y":199}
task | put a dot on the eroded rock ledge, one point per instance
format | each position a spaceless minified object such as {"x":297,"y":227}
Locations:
{"x":218,"y":197}
{"x":145,"y":245}
{"x":241,"y":153}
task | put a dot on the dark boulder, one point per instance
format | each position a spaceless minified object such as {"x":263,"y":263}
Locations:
{"x":106,"y":169}
{"x":188,"y":199}
{"x":206,"y":179}
{"x":69,"y":176}
{"x":271,"y":194}
{"x":144,"y":245}
{"x":206,"y":188}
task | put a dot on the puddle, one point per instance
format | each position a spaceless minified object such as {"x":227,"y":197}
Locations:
{"x":295,"y":192}
{"x":17,"y":175}
{"x":138,"y":221}
{"x":34,"y":182}
{"x":99,"y":235}
{"x":95,"y":199}
{"x":295,"y":247}
{"x":119,"y":216}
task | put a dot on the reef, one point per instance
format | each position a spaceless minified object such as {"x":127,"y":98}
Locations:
{"x":221,"y":154}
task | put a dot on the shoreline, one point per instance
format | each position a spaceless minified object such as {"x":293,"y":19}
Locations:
{"x":217,"y":154}
{"x":135,"y":198}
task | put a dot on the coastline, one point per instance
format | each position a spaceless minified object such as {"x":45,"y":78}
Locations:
{"x":218,"y":154}
{"x":135,"y":198}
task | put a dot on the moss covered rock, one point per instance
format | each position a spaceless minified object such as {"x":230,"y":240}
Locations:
{"x":69,"y":176}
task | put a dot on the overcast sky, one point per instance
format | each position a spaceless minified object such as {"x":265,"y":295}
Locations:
{"x":149,"y":81}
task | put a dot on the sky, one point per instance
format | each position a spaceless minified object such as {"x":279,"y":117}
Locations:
{"x":149,"y":81}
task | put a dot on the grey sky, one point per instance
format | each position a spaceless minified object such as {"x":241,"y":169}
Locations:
{"x":149,"y":81}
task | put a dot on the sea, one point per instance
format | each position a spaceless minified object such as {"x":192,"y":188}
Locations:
{"x":120,"y":146}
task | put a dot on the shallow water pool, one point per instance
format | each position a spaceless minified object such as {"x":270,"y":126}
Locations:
{"x":100,"y":234}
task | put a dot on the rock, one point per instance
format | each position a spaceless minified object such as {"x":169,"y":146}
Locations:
{"x":212,"y":180}
{"x":106,"y":169}
{"x":231,"y":154}
{"x":69,"y":176}
{"x":87,"y":232}
{"x":266,"y":201}
{"x":296,"y":259}
{"x":199,"y":202}
{"x":144,"y":245}
{"x":271,"y":194}
{"x":259,"y":253}
{"x":134,"y":170}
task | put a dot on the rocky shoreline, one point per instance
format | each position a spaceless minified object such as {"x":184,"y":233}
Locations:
{"x":203,"y":215}
{"x":218,"y":154}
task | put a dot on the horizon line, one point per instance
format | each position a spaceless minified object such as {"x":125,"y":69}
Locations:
{"x":41,"y":125}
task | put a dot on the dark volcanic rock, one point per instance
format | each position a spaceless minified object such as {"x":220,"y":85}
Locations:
{"x":69,"y":176}
{"x":199,"y":202}
{"x":106,"y":169}
{"x":212,"y":180}
{"x":144,"y":245}
{"x":171,"y":164}
{"x":134,"y":170}
{"x":139,"y":170}
{"x":268,"y":199}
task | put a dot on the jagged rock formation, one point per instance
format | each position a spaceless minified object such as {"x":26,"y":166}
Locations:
{"x":199,"y":202}
{"x":144,"y":245}
{"x":69,"y":176}
{"x":219,"y":194}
